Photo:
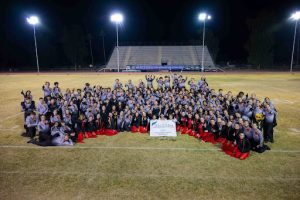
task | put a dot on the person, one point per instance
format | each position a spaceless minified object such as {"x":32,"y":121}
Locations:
{"x":99,"y":125}
{"x":56,"y":90}
{"x":167,"y":82}
{"x":87,"y":89}
{"x":42,"y":107}
{"x":127,"y":121}
{"x":27,"y":95}
{"x":257,"y":141}
{"x":110,"y":129}
{"x":144,"y":123}
{"x":44,"y":129}
{"x":46,"y":90}
{"x":28,"y":106}
{"x":135,"y":123}
{"x":117,"y":84}
{"x":269,"y":124}
{"x":90,"y":128}
{"x":149,"y":79}
{"x":243,"y":147}
{"x":121,"y":122}
{"x":44,"y":138}
{"x":160,"y":83}
{"x":31,"y":125}
{"x":59,"y":137}
{"x":106,"y":111}
{"x":129,"y":85}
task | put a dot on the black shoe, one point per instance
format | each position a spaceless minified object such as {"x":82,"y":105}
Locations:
{"x":267,"y":147}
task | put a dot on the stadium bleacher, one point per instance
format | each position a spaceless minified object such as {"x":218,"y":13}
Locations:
{"x":150,"y":58}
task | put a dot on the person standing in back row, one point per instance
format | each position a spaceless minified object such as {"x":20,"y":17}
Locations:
{"x":269,"y":124}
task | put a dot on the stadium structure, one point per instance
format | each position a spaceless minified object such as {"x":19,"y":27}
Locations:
{"x":161,"y":58}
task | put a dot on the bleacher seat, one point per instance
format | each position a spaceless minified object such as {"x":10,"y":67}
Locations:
{"x":156,"y":55}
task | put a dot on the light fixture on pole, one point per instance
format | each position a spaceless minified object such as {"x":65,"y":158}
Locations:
{"x":203,"y":17}
{"x":117,"y":18}
{"x":33,"y":20}
{"x":295,"y":16}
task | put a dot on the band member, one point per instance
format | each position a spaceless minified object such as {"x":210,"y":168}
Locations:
{"x":90,"y":128}
{"x":47,"y":90}
{"x":121,"y":122}
{"x":31,"y":125}
{"x":243,"y":147}
{"x":28,"y":106}
{"x":269,"y":124}
{"x":144,"y":123}
{"x":135,"y":123}
{"x":257,"y":142}
{"x":56,"y":92}
{"x":42,"y":107}
{"x":149,"y":79}
{"x":59,"y":137}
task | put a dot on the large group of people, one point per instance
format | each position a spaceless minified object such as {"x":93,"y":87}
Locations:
{"x":240,"y":123}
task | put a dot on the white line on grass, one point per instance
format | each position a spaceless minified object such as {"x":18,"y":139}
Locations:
{"x":81,"y":173}
{"x":132,"y":148}
{"x":11,"y":116}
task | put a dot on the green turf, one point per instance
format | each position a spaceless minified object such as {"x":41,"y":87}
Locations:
{"x":147,"y":168}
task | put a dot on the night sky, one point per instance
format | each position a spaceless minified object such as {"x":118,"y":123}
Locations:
{"x":153,"y":22}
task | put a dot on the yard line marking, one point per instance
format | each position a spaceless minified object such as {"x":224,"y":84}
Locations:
{"x":11,"y":116}
{"x":132,"y":148}
{"x":112,"y":147}
{"x":146,"y":175}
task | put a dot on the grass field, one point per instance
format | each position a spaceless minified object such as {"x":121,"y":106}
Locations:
{"x":135,"y":166}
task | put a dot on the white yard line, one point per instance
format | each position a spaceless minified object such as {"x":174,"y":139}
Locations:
{"x":82,"y":173}
{"x":11,"y":116}
{"x":133,"y":148}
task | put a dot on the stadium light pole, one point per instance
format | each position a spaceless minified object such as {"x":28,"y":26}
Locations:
{"x":203,"y":17}
{"x":117,"y":18}
{"x":34,"y":20}
{"x":295,"y":16}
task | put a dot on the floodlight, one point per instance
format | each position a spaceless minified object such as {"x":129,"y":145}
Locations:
{"x":33,"y":20}
{"x":295,"y":15}
{"x":116,"y":18}
{"x":202,"y":16}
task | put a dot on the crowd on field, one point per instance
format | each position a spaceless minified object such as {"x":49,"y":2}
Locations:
{"x":239,"y":122}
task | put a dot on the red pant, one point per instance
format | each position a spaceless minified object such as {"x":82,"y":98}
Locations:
{"x":110,"y":132}
{"x":134,"y":129}
{"x":143,"y":129}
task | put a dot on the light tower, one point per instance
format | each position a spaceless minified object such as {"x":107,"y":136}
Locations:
{"x":33,"y":20}
{"x":117,"y":18}
{"x":295,"y":16}
{"x":203,"y":17}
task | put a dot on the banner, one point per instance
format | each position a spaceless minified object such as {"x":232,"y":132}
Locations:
{"x":162,"y":128}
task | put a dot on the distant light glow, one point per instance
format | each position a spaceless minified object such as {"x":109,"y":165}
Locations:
{"x":33,"y":20}
{"x":204,"y":16}
{"x":295,"y":15}
{"x":116,"y":18}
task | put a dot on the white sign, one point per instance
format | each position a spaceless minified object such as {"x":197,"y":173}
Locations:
{"x":162,"y":128}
